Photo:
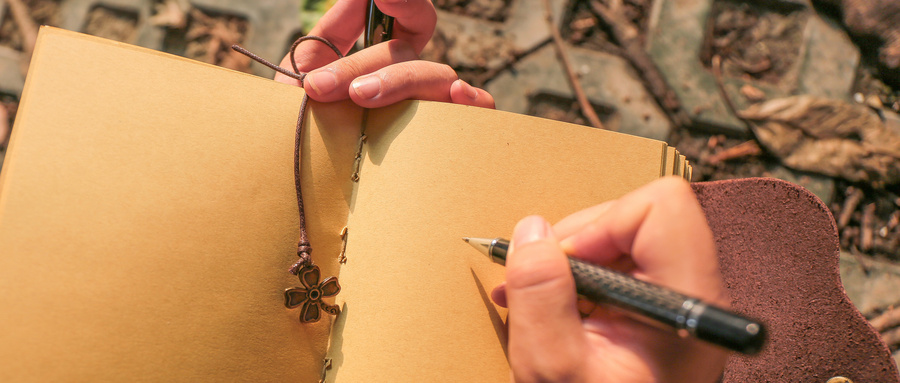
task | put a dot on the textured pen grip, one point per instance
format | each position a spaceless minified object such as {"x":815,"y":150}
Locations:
{"x":606,"y":286}
{"x":685,"y":314}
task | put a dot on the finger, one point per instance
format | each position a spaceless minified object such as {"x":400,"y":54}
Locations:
{"x":578,"y":220}
{"x":498,"y":295}
{"x":332,"y":82}
{"x":668,"y":239}
{"x":344,"y":23}
{"x":566,"y":227}
{"x":341,"y":25}
{"x":414,"y":20}
{"x":464,"y":94}
{"x":586,"y":308}
{"x":546,"y":339}
{"x":420,"y":80}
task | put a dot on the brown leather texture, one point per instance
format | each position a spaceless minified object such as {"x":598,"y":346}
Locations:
{"x":778,"y":250}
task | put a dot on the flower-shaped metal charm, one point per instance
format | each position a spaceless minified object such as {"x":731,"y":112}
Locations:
{"x":309,"y":297}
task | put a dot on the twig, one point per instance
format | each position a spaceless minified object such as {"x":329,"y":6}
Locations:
{"x":746,"y":149}
{"x":892,"y":337}
{"x":27,"y":27}
{"x":853,"y":198}
{"x":213,"y":46}
{"x":482,"y":79}
{"x":714,"y":141}
{"x":29,"y":30}
{"x":848,"y":236}
{"x":716,"y":64}
{"x":861,"y":260}
{"x":867,"y":232}
{"x":626,"y":33}
{"x":586,"y":107}
{"x":894,"y":220}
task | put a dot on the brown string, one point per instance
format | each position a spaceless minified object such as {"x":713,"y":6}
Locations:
{"x":304,"y":249}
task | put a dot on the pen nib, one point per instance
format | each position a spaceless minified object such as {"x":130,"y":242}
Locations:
{"x":482,"y":244}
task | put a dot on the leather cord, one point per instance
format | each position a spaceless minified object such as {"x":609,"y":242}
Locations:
{"x":304,"y":248}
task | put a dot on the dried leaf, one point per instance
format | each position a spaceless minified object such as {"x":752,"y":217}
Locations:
{"x":752,"y":94}
{"x":236,"y":61}
{"x":227,"y":32}
{"x":27,"y":26}
{"x":830,"y":137}
{"x":746,"y":149}
{"x":171,"y":13}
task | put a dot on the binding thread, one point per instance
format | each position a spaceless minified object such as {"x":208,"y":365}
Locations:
{"x":357,"y":161}
{"x":342,"y":259}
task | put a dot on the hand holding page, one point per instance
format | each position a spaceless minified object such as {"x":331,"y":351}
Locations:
{"x":148,"y":212}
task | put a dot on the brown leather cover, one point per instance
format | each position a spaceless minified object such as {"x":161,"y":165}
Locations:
{"x":778,"y":250}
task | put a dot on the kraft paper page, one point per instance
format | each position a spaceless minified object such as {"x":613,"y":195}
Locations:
{"x":416,"y":305}
{"x":148,"y":217}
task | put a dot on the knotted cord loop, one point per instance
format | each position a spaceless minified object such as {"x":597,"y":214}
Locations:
{"x":304,"y":249}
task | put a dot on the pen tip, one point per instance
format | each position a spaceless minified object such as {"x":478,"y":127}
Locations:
{"x":466,"y":239}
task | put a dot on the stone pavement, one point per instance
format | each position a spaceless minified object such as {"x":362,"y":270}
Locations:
{"x":871,"y":285}
{"x":824,"y":65}
{"x":629,"y":108}
{"x":608,"y":81}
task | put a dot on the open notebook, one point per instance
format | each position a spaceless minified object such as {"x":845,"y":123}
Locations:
{"x":148,"y":216}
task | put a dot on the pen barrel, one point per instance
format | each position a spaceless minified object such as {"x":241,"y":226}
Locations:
{"x":379,"y":27}
{"x":686,"y":315}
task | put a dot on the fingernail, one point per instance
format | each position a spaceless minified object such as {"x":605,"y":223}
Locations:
{"x":323,"y":82}
{"x":531,"y":229}
{"x":469,"y":90}
{"x":367,"y":87}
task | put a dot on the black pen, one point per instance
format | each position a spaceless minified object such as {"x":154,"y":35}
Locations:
{"x":379,"y":27}
{"x":645,"y":301}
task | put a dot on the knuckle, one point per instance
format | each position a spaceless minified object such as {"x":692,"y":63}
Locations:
{"x":674,"y":186}
{"x":305,"y":61}
{"x":536,"y":272}
{"x":401,"y":49}
{"x":538,"y":282}
{"x":350,"y":66}
{"x":340,"y":41}
{"x":448,"y":71}
{"x":488,"y":101}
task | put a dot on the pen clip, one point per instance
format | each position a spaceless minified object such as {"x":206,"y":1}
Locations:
{"x":379,"y":26}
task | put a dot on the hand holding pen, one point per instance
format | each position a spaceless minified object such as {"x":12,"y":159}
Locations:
{"x":658,"y":234}
{"x":384,"y":73}
{"x":660,"y":226}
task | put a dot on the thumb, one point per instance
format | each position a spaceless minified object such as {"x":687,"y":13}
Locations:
{"x":546,"y":338}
